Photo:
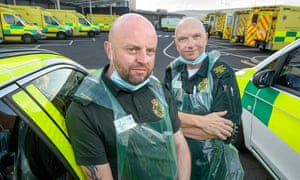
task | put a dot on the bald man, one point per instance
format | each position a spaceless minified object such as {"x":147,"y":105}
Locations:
{"x":122,"y":123}
{"x":208,"y":100}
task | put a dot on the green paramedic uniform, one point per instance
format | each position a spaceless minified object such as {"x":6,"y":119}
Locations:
{"x":213,"y":88}
{"x":132,"y":131}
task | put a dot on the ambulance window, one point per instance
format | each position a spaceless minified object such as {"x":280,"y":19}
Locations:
{"x":47,"y":19}
{"x":9,"y":19}
{"x":254,"y":18}
{"x":290,"y":73}
{"x":59,"y":86}
{"x":229,"y":19}
{"x":83,"y":21}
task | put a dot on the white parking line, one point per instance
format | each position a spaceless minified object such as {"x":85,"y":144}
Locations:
{"x":166,"y":48}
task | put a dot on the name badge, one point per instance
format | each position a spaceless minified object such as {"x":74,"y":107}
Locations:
{"x":177,"y":84}
{"x":125,"y":123}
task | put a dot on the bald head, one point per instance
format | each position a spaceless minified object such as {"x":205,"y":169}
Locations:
{"x":131,"y":48}
{"x":190,"y":39}
{"x":190,"y":22}
{"x":130,"y":24}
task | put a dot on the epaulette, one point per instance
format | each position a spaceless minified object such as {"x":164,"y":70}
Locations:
{"x":83,"y":99}
{"x":220,"y":69}
{"x":168,"y":66}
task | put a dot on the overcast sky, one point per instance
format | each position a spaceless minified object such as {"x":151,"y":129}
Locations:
{"x":178,"y":5}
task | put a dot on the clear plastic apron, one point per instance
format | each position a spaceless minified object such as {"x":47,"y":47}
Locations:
{"x":211,"y":159}
{"x":144,"y":150}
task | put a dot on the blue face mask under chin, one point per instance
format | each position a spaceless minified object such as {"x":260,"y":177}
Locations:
{"x":116,"y":78}
{"x":195,"y":62}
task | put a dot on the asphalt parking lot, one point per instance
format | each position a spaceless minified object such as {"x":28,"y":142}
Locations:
{"x":89,"y":53}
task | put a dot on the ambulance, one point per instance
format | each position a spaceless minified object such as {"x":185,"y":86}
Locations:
{"x":273,"y":27}
{"x":41,"y":17}
{"x":270,"y":127}
{"x":103,"y":21}
{"x":15,"y":29}
{"x":36,"y":87}
{"x":79,"y":24}
{"x":228,"y":26}
{"x":168,"y":24}
{"x":241,"y":19}
{"x":211,"y":18}
{"x":219,"y":23}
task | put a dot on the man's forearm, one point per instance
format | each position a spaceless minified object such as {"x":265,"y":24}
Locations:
{"x":209,"y":126}
{"x":188,"y":120}
{"x":183,"y":157}
{"x":196,"y":133}
{"x":97,"y":172}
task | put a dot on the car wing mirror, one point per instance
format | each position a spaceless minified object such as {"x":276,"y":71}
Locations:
{"x":263,"y":78}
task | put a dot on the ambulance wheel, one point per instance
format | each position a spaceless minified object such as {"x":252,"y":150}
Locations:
{"x":61,"y":35}
{"x":91,"y":34}
{"x":238,"y":138}
{"x":27,"y":39}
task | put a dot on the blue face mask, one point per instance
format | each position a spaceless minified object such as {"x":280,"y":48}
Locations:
{"x":195,"y":62}
{"x":116,"y":78}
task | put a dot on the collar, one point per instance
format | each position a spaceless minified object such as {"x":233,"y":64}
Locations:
{"x":202,"y":72}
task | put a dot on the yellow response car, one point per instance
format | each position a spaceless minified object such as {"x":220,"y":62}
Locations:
{"x":271,"y":112}
{"x":36,"y":87}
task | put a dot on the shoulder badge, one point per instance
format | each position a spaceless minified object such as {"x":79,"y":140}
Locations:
{"x":157,"y":108}
{"x":219,"y":69}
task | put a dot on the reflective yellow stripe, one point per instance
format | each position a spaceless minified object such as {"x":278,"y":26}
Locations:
{"x":280,"y":33}
{"x":41,"y":119}
{"x":285,"y":126}
{"x":17,"y":66}
{"x":243,"y":77}
{"x":49,"y":107}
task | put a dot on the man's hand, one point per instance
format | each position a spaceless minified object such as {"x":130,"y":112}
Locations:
{"x":209,"y":126}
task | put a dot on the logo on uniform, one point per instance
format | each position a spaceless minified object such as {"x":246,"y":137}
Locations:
{"x":203,"y":84}
{"x":157,"y":108}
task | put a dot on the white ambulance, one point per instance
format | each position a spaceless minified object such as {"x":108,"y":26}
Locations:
{"x":270,"y":128}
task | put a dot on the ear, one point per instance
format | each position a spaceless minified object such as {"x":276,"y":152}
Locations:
{"x":175,"y":43}
{"x":206,"y":36}
{"x":107,"y":48}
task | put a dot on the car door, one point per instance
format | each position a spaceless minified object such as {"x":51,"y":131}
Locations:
{"x":40,"y":101}
{"x":276,"y":122}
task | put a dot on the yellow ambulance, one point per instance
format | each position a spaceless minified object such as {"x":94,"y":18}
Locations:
{"x":103,"y":21}
{"x":169,"y":24}
{"x":14,"y":28}
{"x":241,"y":19}
{"x":273,"y":27}
{"x":77,"y":21}
{"x":39,"y":16}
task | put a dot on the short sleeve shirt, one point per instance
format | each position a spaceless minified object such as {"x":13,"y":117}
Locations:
{"x":91,"y":127}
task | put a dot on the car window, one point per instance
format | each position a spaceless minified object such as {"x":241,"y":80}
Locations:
{"x":22,"y":141}
{"x":9,"y":139}
{"x":59,"y":87}
{"x":290,"y":73}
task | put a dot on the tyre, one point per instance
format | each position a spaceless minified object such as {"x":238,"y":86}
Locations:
{"x":28,"y":39}
{"x":91,"y":34}
{"x":238,"y":138}
{"x":61,"y":35}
